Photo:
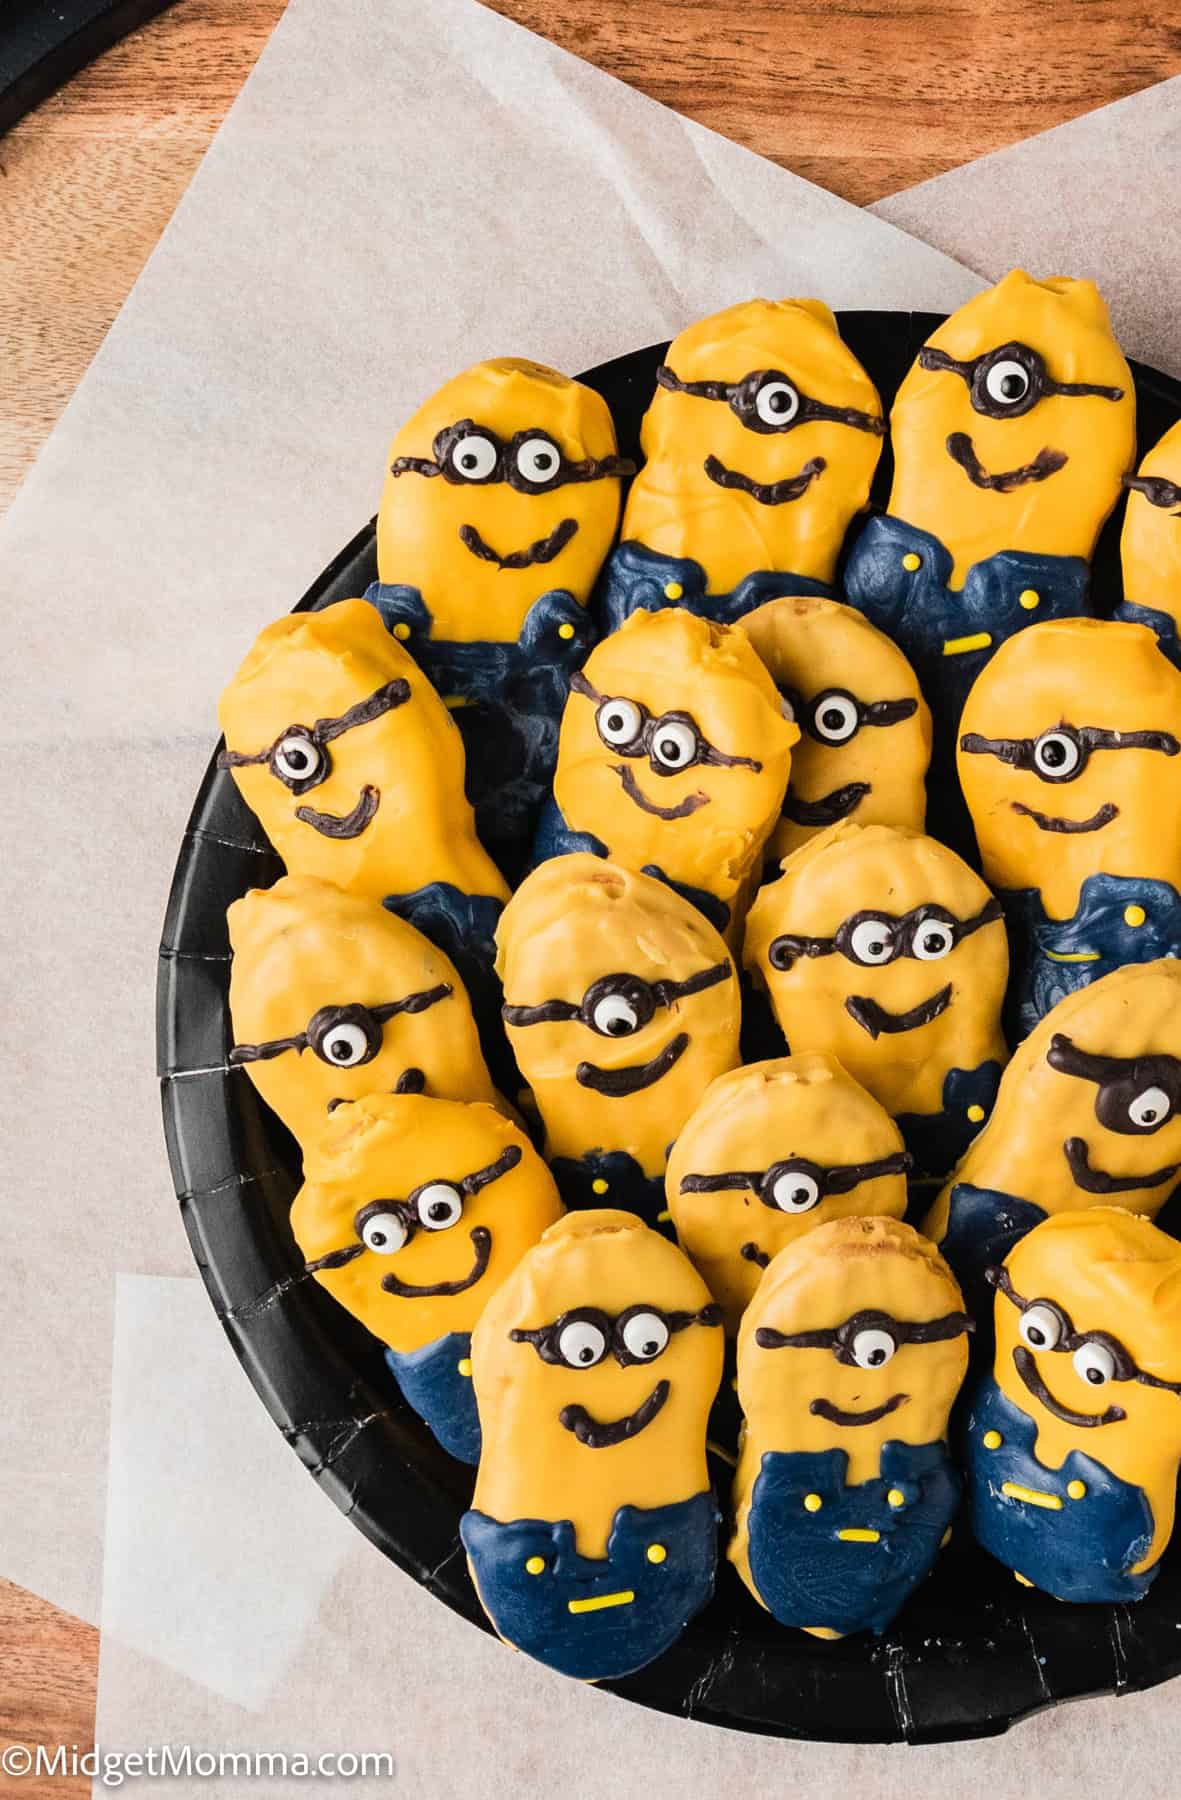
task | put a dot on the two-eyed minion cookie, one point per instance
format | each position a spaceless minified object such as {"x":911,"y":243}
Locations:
{"x":771,"y":1152}
{"x":412,"y":1213}
{"x":850,"y":1356}
{"x":760,"y":445}
{"x":1150,"y":547}
{"x":592,"y":1538}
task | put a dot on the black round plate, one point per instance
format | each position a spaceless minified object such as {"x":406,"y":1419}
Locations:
{"x":44,"y":43}
{"x":971,"y":1652}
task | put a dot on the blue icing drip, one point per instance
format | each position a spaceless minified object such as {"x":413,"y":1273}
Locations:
{"x":982,"y":1227}
{"x":432,"y":1384}
{"x":802,"y":1570}
{"x":463,"y":926}
{"x":938,"y":1140}
{"x":515,"y":693}
{"x":636,"y":578}
{"x":1083,"y":1550}
{"x":556,"y":838}
{"x":1098,"y":927}
{"x":628,"y":1188}
{"x":1162,"y":623}
{"x":532,"y":1611}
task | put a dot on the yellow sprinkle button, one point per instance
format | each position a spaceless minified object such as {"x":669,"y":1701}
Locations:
{"x":912,"y":561}
{"x":1076,"y":1489}
{"x":673,"y":590}
{"x":656,"y":1553}
{"x":896,"y":1497}
{"x":1029,"y":599}
{"x":975,"y":1113}
{"x":402,"y":630}
{"x":812,"y":1502}
{"x":1134,"y":915}
{"x":599,"y":1186}
{"x":945,"y":1539}
{"x":535,"y":1565}
{"x":566,"y":631}
{"x":993,"y":1440}
{"x":464,"y":1365}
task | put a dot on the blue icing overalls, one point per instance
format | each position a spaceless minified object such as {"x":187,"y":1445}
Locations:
{"x":1163,"y":624}
{"x":1090,"y":1529}
{"x":463,"y":926}
{"x":983,"y":1225}
{"x":436,"y":1380}
{"x":592,"y":1617}
{"x":1120,"y":919}
{"x":511,"y":695}
{"x":809,"y":1572}
{"x":938,"y":1140}
{"x":612,"y":1178}
{"x":635,"y":578}
{"x":556,"y":838}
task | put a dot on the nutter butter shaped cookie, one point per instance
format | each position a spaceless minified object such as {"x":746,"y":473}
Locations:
{"x":1070,"y":762}
{"x":1011,"y":436}
{"x":760,"y":446}
{"x":1074,"y":1438}
{"x":592,"y":1538}
{"x":771,"y":1152}
{"x":333,"y":997}
{"x":849,"y":1358}
{"x":501,"y":501}
{"x":879,"y":946}
{"x":865,"y":728}
{"x":621,"y":1002}
{"x":1088,"y":1113}
{"x":673,"y":758}
{"x":1150,"y":547}
{"x":412,"y":1213}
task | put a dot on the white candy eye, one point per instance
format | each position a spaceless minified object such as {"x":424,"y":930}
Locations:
{"x":1040,"y":1327}
{"x":439,"y":1205}
{"x":871,"y":942}
{"x":1094,"y":1363}
{"x":296,"y":758}
{"x":383,"y":1233}
{"x":795,"y":1192}
{"x":1007,"y":383}
{"x":1056,"y":756}
{"x":777,"y":403}
{"x":619,"y":722}
{"x":645,"y":1335}
{"x":344,"y":1046}
{"x":933,"y":939}
{"x":674,"y":744}
{"x":835,"y":718}
{"x":1150,"y":1109}
{"x":474,"y":457}
{"x":615,"y":1016}
{"x":538,"y":460}
{"x":581,"y":1344}
{"x":872,"y":1348}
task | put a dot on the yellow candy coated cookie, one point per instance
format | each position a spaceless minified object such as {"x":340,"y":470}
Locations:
{"x":1150,"y":548}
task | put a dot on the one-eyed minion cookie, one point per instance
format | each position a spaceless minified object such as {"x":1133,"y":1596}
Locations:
{"x":501,"y":501}
{"x":760,"y":446}
{"x":865,"y":728}
{"x":622,"y":1005}
{"x":771,"y":1152}
{"x":1070,"y":762}
{"x":592,"y":1538}
{"x":882,"y":948}
{"x":1088,"y":1114}
{"x":412,"y":1213}
{"x":1074,"y":1437}
{"x":1150,"y":547}
{"x":333,"y":997}
{"x":673,"y":758}
{"x":849,"y":1358}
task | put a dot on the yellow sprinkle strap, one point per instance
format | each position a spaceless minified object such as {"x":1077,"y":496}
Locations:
{"x":856,"y":1534}
{"x":1031,"y":1496}
{"x":600,"y":1602}
{"x":1073,"y":955}
{"x":979,"y":640}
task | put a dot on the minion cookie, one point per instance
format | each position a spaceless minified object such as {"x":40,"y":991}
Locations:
{"x":866,"y":729}
{"x":354,"y":768}
{"x":771,"y":1152}
{"x":761,"y":443}
{"x":1011,"y":436}
{"x":1150,"y":548}
{"x":501,"y":501}
{"x":591,"y":956}
{"x":1089,"y":1112}
{"x":1074,"y":1438}
{"x":412,"y":1213}
{"x":1069,"y":762}
{"x":332,"y":997}
{"x":849,"y":1358}
{"x":592,"y":1538}
{"x":673,"y":759}
{"x":881,"y":947}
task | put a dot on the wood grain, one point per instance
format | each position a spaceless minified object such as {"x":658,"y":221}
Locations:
{"x":48,"y":1675}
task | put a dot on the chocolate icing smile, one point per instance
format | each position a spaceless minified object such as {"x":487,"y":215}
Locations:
{"x":1024,"y":1363}
{"x":836,"y":1415}
{"x":1097,"y":1181}
{"x":542,"y":550}
{"x":348,"y":825}
{"x":618,"y":1083}
{"x":599,"y":1436}
{"x":482,"y":1244}
{"x":876,"y":1019}
{"x":767,"y":493}
{"x":829,"y":809}
{"x":960,"y":449}
{"x":1048,"y":822}
{"x":690,"y":804}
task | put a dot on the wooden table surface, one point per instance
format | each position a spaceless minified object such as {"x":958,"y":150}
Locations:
{"x":863,"y":100}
